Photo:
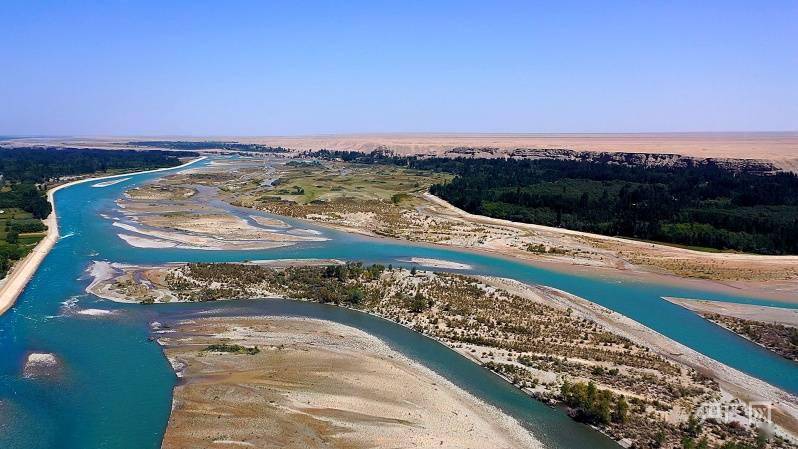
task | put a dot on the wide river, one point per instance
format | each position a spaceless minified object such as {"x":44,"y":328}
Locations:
{"x":114,"y":390}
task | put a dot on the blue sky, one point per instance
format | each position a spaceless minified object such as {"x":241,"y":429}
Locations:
{"x":266,"y":68}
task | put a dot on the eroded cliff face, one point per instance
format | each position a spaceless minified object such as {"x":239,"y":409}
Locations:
{"x":622,"y":158}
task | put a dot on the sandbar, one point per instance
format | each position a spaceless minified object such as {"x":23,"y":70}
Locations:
{"x":317,"y":384}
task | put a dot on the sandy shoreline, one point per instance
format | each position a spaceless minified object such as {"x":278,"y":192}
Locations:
{"x":776,"y":290}
{"x":772,"y":328}
{"x":788,"y":294}
{"x":316,"y":383}
{"x":485,"y":219}
{"x":22,"y":271}
{"x":741,"y":385}
{"x":437,"y":263}
{"x":110,"y":183}
{"x":766,"y":314}
{"x":356,"y":199}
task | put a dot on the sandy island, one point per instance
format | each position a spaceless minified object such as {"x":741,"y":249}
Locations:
{"x":438,"y":263}
{"x":109,"y":183}
{"x":181,"y":211}
{"x":767,"y":314}
{"x":150,"y":284}
{"x":317,"y":384}
{"x":546,"y":336}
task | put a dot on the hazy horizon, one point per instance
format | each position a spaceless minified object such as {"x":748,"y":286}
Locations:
{"x":254,"y":69}
{"x":740,"y":133}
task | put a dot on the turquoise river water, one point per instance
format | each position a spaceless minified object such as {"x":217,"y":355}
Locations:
{"x":114,"y":388}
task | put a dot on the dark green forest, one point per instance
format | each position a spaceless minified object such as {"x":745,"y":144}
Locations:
{"x":46,"y":163}
{"x":208,"y":145}
{"x":701,"y":204}
{"x":26,"y":173}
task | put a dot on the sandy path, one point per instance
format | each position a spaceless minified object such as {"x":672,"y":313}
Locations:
{"x":21,"y":273}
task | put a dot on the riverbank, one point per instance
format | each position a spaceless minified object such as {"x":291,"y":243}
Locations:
{"x":359,"y":199}
{"x":746,"y":388}
{"x":535,"y":337}
{"x":22,"y":271}
{"x":773,"y":276}
{"x":773,"y":328}
{"x":784,"y":291}
{"x":313,"y":383}
{"x":751,"y":312}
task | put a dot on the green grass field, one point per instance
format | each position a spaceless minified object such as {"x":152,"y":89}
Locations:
{"x":25,"y":241}
{"x":12,"y":214}
{"x":305,"y":184}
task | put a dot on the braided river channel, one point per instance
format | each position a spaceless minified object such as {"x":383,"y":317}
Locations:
{"x":114,"y":388}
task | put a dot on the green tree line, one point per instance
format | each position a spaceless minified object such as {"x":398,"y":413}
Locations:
{"x":699,"y":203}
{"x":26,"y":172}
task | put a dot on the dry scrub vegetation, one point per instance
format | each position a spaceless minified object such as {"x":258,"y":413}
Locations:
{"x":391,"y":201}
{"x":551,"y":353}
